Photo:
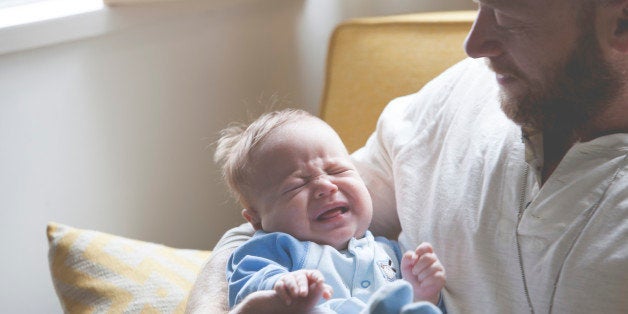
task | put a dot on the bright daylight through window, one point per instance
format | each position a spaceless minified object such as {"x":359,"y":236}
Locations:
{"x":19,"y":12}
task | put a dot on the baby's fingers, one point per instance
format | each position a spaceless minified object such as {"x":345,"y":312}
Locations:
{"x":301,"y":285}
{"x":424,"y":262}
{"x":282,"y":292}
{"x":435,"y":269}
{"x":408,"y":260}
{"x":292,"y":285}
{"x":424,"y":248}
{"x":315,"y":275}
{"x":328,"y":291}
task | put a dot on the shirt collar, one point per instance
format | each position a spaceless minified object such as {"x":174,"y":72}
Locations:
{"x":533,"y":141}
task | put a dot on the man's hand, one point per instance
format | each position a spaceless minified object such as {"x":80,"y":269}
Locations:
{"x":305,"y":286}
{"x":425,"y":272}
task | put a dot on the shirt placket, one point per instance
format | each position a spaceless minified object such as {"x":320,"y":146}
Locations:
{"x":363,"y":275}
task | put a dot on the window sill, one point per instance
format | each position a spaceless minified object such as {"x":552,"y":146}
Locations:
{"x":50,"y":31}
{"x":105,"y":19}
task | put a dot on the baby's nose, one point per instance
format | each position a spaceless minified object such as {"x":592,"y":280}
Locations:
{"x":324,"y":187}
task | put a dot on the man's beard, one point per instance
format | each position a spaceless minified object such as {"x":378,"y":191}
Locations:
{"x":577,"y":92}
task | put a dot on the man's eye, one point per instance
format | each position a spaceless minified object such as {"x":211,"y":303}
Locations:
{"x":506,"y":23}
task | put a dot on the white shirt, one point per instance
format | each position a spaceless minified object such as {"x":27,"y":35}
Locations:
{"x":453,"y":166}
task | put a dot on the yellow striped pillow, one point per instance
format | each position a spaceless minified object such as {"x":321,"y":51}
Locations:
{"x":99,"y":272}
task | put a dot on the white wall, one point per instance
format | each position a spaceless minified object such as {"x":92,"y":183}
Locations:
{"x":111,"y":132}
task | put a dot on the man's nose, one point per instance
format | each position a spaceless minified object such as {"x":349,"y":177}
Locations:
{"x":482,"y":40}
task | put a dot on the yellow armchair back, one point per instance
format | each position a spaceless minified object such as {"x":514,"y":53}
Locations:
{"x":373,"y":60}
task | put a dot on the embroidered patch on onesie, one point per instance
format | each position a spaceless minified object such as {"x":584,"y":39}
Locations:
{"x":388,"y":270}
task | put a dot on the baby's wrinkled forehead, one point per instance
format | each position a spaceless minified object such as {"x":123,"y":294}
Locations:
{"x":306,"y":128}
{"x":310,"y":142}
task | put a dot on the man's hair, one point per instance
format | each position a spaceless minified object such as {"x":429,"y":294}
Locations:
{"x":238,"y":141}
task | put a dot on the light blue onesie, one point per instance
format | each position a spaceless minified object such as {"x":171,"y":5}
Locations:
{"x":355,"y":273}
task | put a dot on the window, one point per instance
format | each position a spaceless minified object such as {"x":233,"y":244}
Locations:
{"x":14,"y":3}
{"x":19,"y":12}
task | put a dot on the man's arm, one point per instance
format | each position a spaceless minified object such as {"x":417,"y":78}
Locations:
{"x":209,"y":293}
{"x":375,"y":168}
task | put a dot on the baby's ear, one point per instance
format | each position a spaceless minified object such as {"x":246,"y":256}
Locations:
{"x":252,"y":217}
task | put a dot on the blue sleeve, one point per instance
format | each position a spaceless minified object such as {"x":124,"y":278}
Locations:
{"x":259,"y":262}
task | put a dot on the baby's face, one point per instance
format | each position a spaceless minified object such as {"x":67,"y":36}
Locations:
{"x":306,"y":185}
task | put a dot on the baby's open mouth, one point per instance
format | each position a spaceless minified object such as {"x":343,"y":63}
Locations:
{"x":332,"y":213}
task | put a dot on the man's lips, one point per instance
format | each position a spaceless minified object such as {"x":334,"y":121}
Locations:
{"x":503,"y":74}
{"x":332,"y":213}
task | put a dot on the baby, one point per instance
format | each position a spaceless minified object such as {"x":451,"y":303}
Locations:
{"x":311,"y":212}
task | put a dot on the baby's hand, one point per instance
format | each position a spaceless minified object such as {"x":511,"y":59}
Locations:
{"x":425,"y":272}
{"x":306,"y":286}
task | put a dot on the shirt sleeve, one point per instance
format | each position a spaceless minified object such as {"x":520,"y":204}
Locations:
{"x":235,"y":237}
{"x":257,"y":264}
{"x":375,"y":164}
{"x":385,"y":153}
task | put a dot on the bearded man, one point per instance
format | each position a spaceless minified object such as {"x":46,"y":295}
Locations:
{"x":513,"y":165}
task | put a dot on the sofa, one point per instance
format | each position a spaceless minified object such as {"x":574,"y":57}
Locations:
{"x":370,"y":61}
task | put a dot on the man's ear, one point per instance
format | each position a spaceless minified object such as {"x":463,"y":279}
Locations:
{"x":619,"y":18}
{"x":252,"y":216}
